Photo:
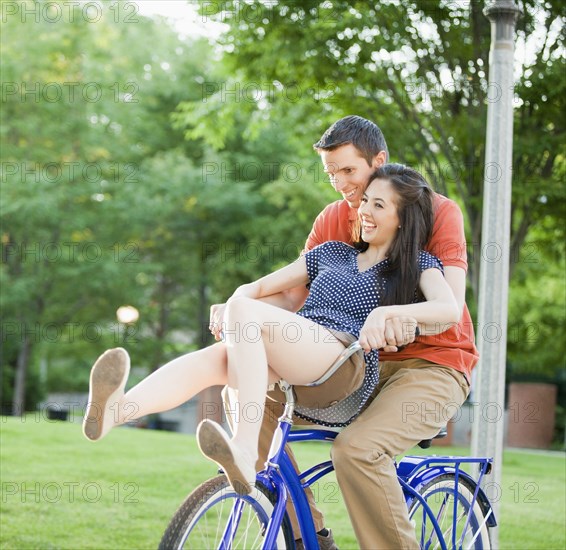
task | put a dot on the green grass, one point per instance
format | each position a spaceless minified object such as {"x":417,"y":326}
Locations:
{"x":61,"y":491}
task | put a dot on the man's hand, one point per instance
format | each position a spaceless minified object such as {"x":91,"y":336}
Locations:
{"x":216,"y":320}
{"x":399,"y":331}
{"x":389,"y":334}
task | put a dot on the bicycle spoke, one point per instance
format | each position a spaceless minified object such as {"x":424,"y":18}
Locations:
{"x":453,"y":508}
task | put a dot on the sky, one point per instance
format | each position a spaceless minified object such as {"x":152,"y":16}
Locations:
{"x":183,"y":15}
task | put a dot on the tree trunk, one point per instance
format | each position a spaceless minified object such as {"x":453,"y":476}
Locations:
{"x":210,"y":400}
{"x":162,"y":323}
{"x":19,"y":399}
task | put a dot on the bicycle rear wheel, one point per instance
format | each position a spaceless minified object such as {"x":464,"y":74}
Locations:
{"x":464,"y":529}
{"x":200,"y":522}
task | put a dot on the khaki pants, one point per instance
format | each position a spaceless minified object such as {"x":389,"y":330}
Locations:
{"x":414,"y":399}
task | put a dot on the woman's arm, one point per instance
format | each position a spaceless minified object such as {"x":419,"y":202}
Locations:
{"x":440,"y":308}
{"x":288,"y":277}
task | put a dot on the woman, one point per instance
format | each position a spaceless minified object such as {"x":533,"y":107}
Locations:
{"x":386,"y":267}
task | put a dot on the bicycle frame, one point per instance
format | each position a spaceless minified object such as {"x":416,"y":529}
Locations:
{"x":413,"y":472}
{"x":281,"y":475}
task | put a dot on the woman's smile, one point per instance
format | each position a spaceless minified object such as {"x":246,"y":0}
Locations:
{"x":367,"y":228}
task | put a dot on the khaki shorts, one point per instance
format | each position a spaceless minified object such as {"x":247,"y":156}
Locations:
{"x":347,"y":379}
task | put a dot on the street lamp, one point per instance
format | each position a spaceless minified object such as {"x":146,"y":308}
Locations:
{"x":127,"y":315}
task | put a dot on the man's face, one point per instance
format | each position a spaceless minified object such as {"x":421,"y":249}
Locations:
{"x":349,"y":171}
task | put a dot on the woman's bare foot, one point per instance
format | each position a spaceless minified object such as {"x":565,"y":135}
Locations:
{"x":107,"y":381}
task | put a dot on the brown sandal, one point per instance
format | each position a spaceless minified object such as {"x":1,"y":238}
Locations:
{"x":107,"y":381}
{"x":215,"y":444}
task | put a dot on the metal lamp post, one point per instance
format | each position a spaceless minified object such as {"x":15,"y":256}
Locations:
{"x":487,"y":433}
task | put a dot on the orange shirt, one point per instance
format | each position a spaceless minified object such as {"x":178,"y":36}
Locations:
{"x":452,"y":348}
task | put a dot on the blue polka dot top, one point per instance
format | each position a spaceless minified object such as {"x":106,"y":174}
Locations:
{"x":340,"y":298}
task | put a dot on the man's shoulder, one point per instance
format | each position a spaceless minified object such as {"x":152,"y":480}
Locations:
{"x":332,"y":224}
{"x":337,"y":208}
{"x":448,"y":240}
{"x":444,"y":205}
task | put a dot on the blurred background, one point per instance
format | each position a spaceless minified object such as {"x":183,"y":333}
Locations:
{"x":155,"y":155}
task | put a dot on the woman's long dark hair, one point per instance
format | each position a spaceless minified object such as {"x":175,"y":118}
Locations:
{"x":415,"y":212}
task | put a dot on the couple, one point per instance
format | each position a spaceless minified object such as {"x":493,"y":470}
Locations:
{"x":390,"y":215}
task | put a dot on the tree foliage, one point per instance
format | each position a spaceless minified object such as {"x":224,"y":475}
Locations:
{"x":106,"y":203}
{"x":420,"y":69}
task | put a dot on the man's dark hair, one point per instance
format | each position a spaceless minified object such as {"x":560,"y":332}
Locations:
{"x":363,"y":134}
{"x":416,"y":218}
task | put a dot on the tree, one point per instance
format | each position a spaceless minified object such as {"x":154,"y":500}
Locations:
{"x":105,"y":203}
{"x":83,"y":104}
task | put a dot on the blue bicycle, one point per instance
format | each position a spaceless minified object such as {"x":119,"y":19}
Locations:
{"x":446,"y":504}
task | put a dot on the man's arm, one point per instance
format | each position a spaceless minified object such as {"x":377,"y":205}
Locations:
{"x":456,"y":279}
{"x":440,"y":307}
{"x":401,"y":330}
{"x":291,"y":300}
{"x":448,"y":243}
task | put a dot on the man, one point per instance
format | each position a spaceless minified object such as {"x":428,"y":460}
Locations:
{"x":419,"y":383}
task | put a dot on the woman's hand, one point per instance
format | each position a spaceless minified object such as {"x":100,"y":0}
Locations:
{"x":372,"y":335}
{"x":384,"y":329}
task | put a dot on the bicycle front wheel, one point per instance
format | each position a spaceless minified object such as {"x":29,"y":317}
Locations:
{"x":463,"y":526}
{"x":214,"y":512}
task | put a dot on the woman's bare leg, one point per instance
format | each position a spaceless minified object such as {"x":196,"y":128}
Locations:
{"x":176,"y":382}
{"x":166,"y":388}
{"x":258,"y":335}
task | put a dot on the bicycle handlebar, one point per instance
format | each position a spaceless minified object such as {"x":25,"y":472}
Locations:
{"x":344,"y":356}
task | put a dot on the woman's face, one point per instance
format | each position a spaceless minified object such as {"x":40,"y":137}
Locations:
{"x":378,"y":213}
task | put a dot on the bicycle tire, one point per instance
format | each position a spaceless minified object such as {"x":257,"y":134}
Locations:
{"x":439,"y":494}
{"x":200,"y":520}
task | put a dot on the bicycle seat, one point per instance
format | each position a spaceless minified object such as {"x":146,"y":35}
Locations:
{"x":426,"y":443}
